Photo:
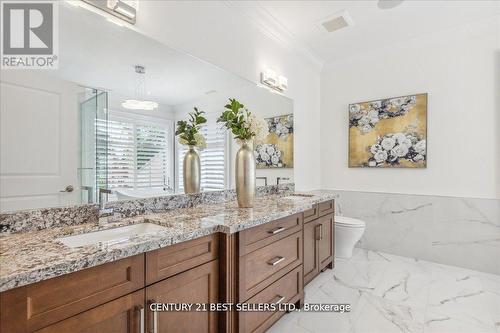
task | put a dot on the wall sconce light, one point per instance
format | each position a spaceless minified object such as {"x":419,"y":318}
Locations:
{"x":269,"y":78}
{"x":273,"y":81}
{"x":125,"y":10}
{"x":282,"y":83}
{"x":122,"y":8}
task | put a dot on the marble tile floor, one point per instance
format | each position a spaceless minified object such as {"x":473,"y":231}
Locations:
{"x":390,"y":293}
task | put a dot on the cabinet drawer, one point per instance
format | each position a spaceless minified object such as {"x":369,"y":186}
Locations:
{"x":311,"y":214}
{"x":260,"y":268}
{"x":326,"y":207}
{"x":257,"y":237}
{"x":166,"y":262}
{"x":32,"y":307}
{"x":118,"y":316}
{"x":288,"y":289}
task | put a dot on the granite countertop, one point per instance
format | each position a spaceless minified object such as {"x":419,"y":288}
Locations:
{"x":34,"y":256}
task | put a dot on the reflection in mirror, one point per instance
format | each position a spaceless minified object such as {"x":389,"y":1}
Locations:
{"x":70,"y":133}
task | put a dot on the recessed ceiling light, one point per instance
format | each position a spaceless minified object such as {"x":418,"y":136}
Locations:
{"x":337,"y":21}
{"x":388,"y":4}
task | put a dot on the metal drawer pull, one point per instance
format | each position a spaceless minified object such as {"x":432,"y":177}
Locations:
{"x":155,"y":318}
{"x":277,"y":230}
{"x":281,"y":299}
{"x":276,"y":261}
{"x":320,"y":231}
{"x":141,"y":311}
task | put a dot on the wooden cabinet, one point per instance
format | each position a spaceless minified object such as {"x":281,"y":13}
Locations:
{"x":269,"y":270}
{"x":325,"y":208}
{"x":109,"y":297}
{"x":197,"y":285}
{"x":288,"y":289}
{"x":318,"y":241}
{"x":171,"y":260}
{"x":311,"y":214}
{"x":38,"y":305}
{"x":255,"y":238}
{"x":123,"y":315}
{"x":325,"y":239}
{"x":311,"y":265}
{"x":269,"y":263}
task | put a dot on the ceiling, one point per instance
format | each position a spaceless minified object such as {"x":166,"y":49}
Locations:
{"x":97,"y":53}
{"x":298,"y":22}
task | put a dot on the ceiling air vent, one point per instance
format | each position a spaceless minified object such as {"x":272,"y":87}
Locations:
{"x":337,"y":21}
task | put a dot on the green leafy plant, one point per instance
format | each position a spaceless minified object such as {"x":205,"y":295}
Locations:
{"x":241,"y":122}
{"x":188,"y":130}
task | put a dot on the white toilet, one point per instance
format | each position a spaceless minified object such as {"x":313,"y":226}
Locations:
{"x":348,"y":232}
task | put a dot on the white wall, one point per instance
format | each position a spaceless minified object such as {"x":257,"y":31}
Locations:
{"x":216,"y":33}
{"x":459,"y":69}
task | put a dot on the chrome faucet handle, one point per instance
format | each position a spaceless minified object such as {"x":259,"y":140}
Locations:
{"x":278,"y":179}
{"x":263,"y":178}
{"x":101,"y":197}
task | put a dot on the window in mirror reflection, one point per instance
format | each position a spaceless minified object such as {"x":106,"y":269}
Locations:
{"x":212,"y":158}
{"x":137,"y":157}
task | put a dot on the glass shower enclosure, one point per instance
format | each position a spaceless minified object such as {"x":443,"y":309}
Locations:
{"x":93,"y":143}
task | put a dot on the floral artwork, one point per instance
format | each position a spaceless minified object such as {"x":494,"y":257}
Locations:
{"x":389,"y":133}
{"x":276,"y":150}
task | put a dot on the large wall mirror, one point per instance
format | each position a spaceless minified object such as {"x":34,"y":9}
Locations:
{"x":67,"y":133}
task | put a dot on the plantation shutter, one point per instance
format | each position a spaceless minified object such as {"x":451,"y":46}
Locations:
{"x":152,"y":156}
{"x":212,"y":158}
{"x":135,"y":155}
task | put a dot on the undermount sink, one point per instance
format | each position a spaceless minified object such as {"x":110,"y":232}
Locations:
{"x":298,"y":196}
{"x":111,"y":236}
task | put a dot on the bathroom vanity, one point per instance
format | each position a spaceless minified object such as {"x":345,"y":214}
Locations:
{"x":219,"y":254}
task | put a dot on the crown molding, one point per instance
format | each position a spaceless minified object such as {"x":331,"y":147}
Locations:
{"x":274,"y":29}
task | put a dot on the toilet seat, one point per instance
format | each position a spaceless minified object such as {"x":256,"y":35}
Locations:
{"x":348,"y":222}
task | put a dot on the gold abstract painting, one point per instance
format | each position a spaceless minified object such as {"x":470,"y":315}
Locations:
{"x":276,"y":151}
{"x":389,"y":133}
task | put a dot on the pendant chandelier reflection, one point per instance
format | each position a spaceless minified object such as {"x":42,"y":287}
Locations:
{"x":140,"y":103}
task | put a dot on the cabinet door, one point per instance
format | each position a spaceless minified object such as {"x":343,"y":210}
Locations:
{"x":122,"y":315}
{"x":311,"y":268}
{"x":197,"y":285}
{"x":325,"y":242}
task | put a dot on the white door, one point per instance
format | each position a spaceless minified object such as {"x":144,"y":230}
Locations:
{"x":38,"y":140}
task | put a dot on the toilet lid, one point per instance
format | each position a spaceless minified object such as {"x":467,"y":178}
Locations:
{"x":349,"y":222}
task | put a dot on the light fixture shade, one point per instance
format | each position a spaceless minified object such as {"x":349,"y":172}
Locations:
{"x":282,"y":83}
{"x":124,"y":9}
{"x":269,"y":77}
{"x":134,"y":104}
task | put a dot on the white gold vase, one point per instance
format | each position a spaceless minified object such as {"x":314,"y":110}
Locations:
{"x":191,"y":171}
{"x":245,"y":175}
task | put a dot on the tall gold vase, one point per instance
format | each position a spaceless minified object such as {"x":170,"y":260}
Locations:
{"x":191,"y":171}
{"x":245,"y":175}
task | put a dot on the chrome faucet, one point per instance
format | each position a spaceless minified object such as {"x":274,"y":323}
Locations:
{"x":104,"y":213}
{"x":278,"y":179}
